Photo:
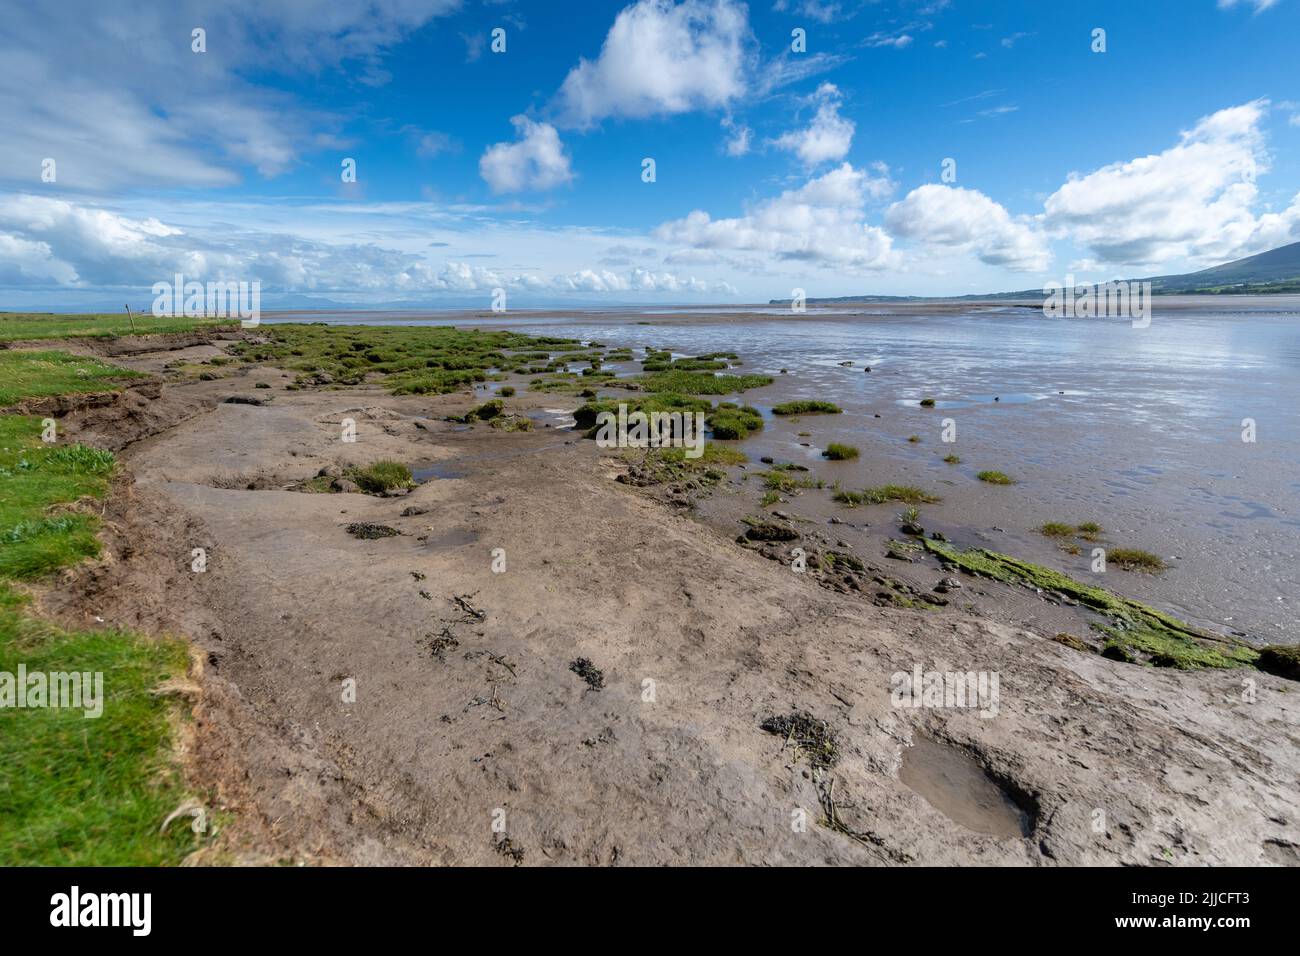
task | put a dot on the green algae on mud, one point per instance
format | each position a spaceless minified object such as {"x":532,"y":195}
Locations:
{"x":1136,"y":630}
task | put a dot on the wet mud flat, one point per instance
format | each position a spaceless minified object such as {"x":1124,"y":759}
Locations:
{"x":477,"y":731}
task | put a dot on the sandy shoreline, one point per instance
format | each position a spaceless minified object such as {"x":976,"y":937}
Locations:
{"x":491,"y":724}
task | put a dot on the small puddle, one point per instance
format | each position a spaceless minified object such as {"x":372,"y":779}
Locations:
{"x":960,"y":789}
{"x":449,"y":540}
{"x":440,"y":470}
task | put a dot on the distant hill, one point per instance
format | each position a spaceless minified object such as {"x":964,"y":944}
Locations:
{"x":1276,"y":272}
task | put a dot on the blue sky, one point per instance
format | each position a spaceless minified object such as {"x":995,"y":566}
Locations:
{"x":1175,"y":148}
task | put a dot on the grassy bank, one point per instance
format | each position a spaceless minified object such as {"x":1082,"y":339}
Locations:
{"x":89,"y":792}
{"x":40,"y":374}
{"x":75,"y":790}
{"x":18,"y":326}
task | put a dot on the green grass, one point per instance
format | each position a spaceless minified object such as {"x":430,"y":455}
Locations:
{"x":666,"y":465}
{"x":1137,"y":630}
{"x":837,"y":452}
{"x":38,"y":374}
{"x":995,"y":478}
{"x":77,"y":791}
{"x":732,"y":422}
{"x":405,"y":360}
{"x":507,"y":391}
{"x":586,"y":415}
{"x":35,"y":477}
{"x":1088,"y":530}
{"x":806,"y":407}
{"x":45,"y":325}
{"x":701,"y":383}
{"x":713,"y":454}
{"x":952,"y":459}
{"x":1135,"y":559}
{"x":783,"y":482}
{"x":89,"y":792}
{"x":908,"y":494}
{"x":927,"y":403}
{"x":1057,"y":529}
{"x":382,"y":476}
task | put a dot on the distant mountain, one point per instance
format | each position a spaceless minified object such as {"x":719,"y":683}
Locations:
{"x":1276,"y":272}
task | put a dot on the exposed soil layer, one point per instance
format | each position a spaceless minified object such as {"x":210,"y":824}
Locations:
{"x":413,"y":699}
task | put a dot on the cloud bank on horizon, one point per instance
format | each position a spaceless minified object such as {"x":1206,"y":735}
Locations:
{"x":697,"y":150}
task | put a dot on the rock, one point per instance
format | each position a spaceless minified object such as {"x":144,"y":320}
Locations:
{"x":947,"y":584}
{"x":912,"y":528}
{"x":767,"y":460}
{"x":1280,"y":659}
{"x":345,"y":485}
{"x":247,"y":400}
{"x":330,"y":471}
{"x":410,"y":511}
{"x":770,"y":532}
{"x":1069,"y":640}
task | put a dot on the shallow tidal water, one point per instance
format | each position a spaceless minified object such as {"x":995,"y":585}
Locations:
{"x":1138,"y":429}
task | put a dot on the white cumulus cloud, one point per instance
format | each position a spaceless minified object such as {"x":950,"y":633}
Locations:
{"x":536,"y":160}
{"x":661,"y":58}
{"x":828,"y":137}
{"x":821,"y":222}
{"x":966,"y":218}
{"x":1194,"y":201}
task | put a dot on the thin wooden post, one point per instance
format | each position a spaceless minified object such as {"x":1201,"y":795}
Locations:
{"x":131,"y":317}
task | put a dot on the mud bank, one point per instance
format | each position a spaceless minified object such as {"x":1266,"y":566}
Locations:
{"x":400,"y":701}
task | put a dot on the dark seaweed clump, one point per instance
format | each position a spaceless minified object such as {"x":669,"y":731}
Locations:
{"x":588,"y":672}
{"x":813,"y":737}
{"x":368,"y":531}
